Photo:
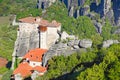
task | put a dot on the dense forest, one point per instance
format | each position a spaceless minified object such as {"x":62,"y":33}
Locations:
{"x":100,"y":64}
{"x":95,"y":64}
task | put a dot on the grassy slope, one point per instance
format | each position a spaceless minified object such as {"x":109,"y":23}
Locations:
{"x":7,"y":38}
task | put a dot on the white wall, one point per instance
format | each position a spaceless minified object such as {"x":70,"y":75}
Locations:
{"x":33,"y":63}
{"x":52,"y":35}
{"x":43,"y":40}
{"x":18,"y":77}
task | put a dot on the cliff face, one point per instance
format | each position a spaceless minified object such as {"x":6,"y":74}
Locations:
{"x":27,"y":39}
{"x":109,"y":9}
{"x":44,"y":3}
{"x":116,"y":9}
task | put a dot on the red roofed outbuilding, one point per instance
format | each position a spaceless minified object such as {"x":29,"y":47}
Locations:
{"x":34,"y":57}
{"x":31,"y":64}
{"x":24,"y":69}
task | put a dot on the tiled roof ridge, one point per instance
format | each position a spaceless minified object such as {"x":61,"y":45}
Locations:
{"x":40,"y":21}
{"x":35,"y":54}
{"x":24,"y":69}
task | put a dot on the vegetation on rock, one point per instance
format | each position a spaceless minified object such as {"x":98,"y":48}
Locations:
{"x":94,"y":65}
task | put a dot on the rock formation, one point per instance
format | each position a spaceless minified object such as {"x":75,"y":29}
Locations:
{"x":85,"y":43}
{"x":108,"y":43}
{"x":62,"y":49}
{"x":44,"y":3}
{"x":109,"y":9}
{"x":116,"y":9}
{"x":66,"y":48}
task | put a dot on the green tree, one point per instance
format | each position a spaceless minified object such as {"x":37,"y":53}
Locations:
{"x":7,"y":39}
{"x":97,"y":40}
{"x":84,"y":27}
{"x":29,"y":12}
{"x":106,"y":30}
{"x":7,"y":75}
{"x":114,"y":71}
{"x":94,"y":73}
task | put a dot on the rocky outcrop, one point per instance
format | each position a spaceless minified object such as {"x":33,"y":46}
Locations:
{"x":98,"y":26}
{"x":71,"y":11}
{"x":84,"y":10}
{"x":65,"y":36}
{"x":68,"y":45}
{"x":108,"y":43}
{"x":44,"y":3}
{"x":116,"y":9}
{"x":25,"y":41}
{"x":109,"y":9}
{"x":64,"y":49}
{"x":85,"y":43}
{"x":110,"y":16}
{"x":107,"y":6}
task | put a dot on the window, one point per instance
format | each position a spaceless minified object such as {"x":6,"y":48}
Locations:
{"x":33,"y":63}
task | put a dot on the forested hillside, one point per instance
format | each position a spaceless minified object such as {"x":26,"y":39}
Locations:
{"x":100,"y":64}
{"x":8,"y":7}
{"x":82,"y":26}
{"x":96,"y":64}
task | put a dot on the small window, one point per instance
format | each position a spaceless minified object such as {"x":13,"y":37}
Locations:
{"x":33,"y":63}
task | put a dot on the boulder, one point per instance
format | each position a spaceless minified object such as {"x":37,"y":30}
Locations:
{"x":71,"y":37}
{"x":107,"y":43}
{"x":70,"y":43}
{"x":64,"y":35}
{"x":85,"y":43}
{"x":115,"y":41}
{"x":76,"y":47}
{"x":73,"y":42}
{"x":76,"y":42}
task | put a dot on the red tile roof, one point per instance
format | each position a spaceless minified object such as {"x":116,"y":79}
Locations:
{"x":27,"y":20}
{"x":35,"y":55}
{"x":24,"y":69}
{"x":40,"y":69}
{"x":40,"y":21}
